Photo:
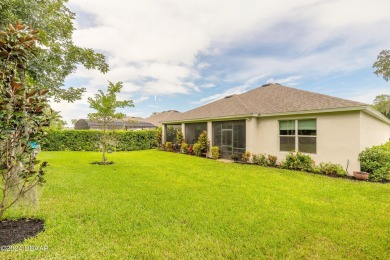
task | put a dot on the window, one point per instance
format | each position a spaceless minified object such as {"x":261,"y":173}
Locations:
{"x":171,"y":131}
{"x":299,"y":135}
{"x":192,"y":132}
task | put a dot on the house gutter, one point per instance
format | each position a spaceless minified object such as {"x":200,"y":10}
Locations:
{"x":205,"y":119}
{"x":372,"y":112}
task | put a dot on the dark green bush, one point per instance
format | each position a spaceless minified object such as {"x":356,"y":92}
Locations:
{"x":90,"y":140}
{"x":298,"y":162}
{"x":376,"y":161}
{"x":330,"y":169}
{"x":235,"y":157}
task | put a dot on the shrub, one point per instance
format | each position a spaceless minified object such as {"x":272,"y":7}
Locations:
{"x":197,"y":149}
{"x":168,"y":146}
{"x":272,"y":159}
{"x":190,"y":149}
{"x":260,"y":159}
{"x":184,"y":147}
{"x":204,"y":142}
{"x":298,"y":162}
{"x":381,"y":174}
{"x":376,"y":160}
{"x":330,"y":169}
{"x":89,"y":140}
{"x":215,"y":152}
{"x":246,"y":156}
{"x":235,"y":157}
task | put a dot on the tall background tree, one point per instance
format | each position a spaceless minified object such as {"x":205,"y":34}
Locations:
{"x":382,"y":66}
{"x":105,"y":106}
{"x":60,"y":56}
{"x":382,"y":104}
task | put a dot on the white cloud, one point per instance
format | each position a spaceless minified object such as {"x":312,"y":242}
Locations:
{"x":231,"y":91}
{"x":290,"y":81}
{"x":163,"y":47}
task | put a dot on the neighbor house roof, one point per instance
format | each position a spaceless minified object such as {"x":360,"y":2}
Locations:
{"x":160,"y":117}
{"x":266,"y":100}
{"x":127,"y":123}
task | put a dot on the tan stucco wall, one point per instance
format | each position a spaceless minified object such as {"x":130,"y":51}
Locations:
{"x":373,"y":131}
{"x":338,"y":137}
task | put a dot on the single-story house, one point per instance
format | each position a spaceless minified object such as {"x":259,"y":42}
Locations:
{"x":275,"y":119}
{"x":157,"y":118}
{"x":128,"y":123}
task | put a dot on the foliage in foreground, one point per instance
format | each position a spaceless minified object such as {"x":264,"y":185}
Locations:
{"x":90,"y":140}
{"x":50,"y":65}
{"x":22,"y":117}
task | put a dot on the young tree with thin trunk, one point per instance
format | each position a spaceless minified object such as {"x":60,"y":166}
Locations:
{"x":106,"y":106}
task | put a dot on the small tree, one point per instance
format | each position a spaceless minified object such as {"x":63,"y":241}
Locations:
{"x":106,"y":106}
{"x":179,"y":137}
{"x":204,"y":142}
{"x":382,"y":104}
{"x":22,"y":117}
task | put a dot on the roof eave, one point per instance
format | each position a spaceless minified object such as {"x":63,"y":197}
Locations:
{"x":316,"y":111}
{"x":205,"y":119}
{"x":371,"y":111}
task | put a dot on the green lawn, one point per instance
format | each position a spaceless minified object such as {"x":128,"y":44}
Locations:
{"x":154,"y":204}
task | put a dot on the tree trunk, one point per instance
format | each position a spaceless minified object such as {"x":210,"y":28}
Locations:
{"x":104,"y":159}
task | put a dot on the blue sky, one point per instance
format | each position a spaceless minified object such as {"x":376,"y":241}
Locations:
{"x":182,"y":54}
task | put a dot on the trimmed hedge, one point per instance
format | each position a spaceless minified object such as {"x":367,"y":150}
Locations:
{"x":89,"y":140}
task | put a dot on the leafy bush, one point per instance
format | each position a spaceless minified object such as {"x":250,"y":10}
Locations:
{"x":197,"y":149}
{"x":168,"y":146}
{"x":376,"y":161}
{"x":215,"y":152}
{"x":260,"y":159}
{"x":190,"y":149}
{"x":246,"y":156}
{"x":184,"y":147}
{"x":330,"y":169}
{"x":298,"y":162}
{"x":235,"y":157}
{"x":272,"y":159}
{"x":89,"y":140}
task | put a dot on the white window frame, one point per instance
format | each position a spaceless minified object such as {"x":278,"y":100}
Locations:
{"x":296,"y":136}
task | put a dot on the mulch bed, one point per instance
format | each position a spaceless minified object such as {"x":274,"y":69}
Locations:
{"x":16,"y":231}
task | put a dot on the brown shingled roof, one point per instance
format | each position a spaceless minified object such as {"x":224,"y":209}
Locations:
{"x":268,"y":99}
{"x":163,"y":116}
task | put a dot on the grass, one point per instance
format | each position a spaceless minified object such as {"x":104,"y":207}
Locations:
{"x":153,"y":204}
